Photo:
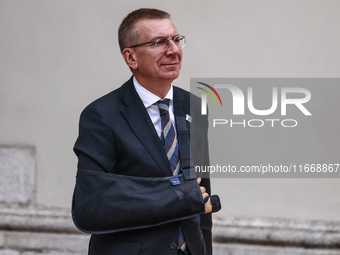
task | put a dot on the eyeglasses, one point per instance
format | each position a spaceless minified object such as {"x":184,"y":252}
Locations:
{"x":162,"y":43}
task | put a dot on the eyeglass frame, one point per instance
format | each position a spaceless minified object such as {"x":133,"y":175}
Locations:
{"x":182,"y":37}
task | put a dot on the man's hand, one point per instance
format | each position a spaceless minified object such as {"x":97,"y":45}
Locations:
{"x":206,"y":198}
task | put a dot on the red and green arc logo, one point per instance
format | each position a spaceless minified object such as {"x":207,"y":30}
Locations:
{"x":209,"y":93}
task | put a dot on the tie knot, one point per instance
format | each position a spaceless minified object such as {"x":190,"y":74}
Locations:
{"x":163,"y":106}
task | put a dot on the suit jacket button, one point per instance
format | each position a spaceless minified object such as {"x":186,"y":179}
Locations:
{"x":173,"y":245}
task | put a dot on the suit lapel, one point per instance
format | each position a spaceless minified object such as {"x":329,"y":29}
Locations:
{"x":181,"y":110}
{"x":136,"y":115}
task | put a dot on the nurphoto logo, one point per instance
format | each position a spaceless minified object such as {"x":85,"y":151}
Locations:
{"x":242,"y":101}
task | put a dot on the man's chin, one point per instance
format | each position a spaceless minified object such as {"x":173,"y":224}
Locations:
{"x":171,"y":73}
{"x":171,"y":76}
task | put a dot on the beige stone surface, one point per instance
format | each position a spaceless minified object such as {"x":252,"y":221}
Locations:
{"x":2,"y":239}
{"x":9,"y":252}
{"x":51,"y":253}
{"x":246,"y":249}
{"x":36,"y":218}
{"x":46,"y":241}
{"x":274,"y":232}
{"x":17,"y":175}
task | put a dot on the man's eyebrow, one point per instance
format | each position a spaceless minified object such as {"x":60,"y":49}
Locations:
{"x":161,"y":37}
{"x":156,"y":38}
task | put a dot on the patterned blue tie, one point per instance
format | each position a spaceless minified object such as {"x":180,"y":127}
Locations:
{"x":168,"y":136}
{"x":169,"y":141}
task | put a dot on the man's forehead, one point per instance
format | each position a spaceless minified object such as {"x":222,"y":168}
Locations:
{"x":150,"y":28}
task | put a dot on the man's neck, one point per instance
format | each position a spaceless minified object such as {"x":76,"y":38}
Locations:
{"x":159,"y":88}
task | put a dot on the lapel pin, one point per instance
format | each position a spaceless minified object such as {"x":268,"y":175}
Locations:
{"x":188,"y":118}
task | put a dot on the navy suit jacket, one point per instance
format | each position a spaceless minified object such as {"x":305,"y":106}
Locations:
{"x":123,"y":194}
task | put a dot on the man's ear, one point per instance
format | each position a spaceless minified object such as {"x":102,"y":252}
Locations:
{"x":130,"y":58}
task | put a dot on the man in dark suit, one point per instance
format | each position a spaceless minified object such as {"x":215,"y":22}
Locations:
{"x":135,"y":190}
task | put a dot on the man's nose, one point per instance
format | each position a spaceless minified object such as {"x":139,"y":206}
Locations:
{"x":173,"y":48}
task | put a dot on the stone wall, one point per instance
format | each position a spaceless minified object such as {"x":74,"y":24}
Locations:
{"x":29,"y":229}
{"x":17,"y":175}
{"x":25,"y":227}
{"x":33,"y":230}
{"x":255,"y":236}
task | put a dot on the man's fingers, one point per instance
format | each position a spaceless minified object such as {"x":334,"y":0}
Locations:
{"x":208,"y":206}
{"x":203,"y":190}
{"x":205,"y":195}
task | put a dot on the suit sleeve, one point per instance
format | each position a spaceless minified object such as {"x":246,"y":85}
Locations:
{"x":206,"y":219}
{"x":104,"y":202}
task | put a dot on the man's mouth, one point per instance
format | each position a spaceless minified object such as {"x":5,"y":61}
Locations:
{"x":169,"y":64}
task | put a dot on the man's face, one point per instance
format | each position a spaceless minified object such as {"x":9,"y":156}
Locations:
{"x":153,"y":65}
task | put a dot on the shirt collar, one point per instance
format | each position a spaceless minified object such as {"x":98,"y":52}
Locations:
{"x":147,"y":97}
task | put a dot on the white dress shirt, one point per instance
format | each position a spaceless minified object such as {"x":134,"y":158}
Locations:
{"x":149,"y":99}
